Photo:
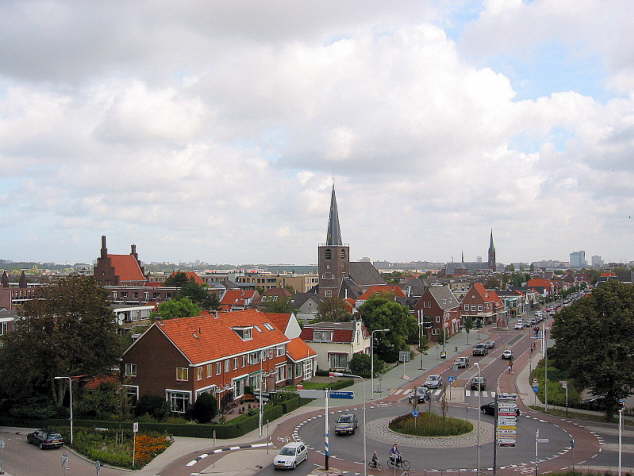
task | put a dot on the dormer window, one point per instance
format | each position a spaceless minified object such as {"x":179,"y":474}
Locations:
{"x":245,"y":333}
{"x":268,"y":326}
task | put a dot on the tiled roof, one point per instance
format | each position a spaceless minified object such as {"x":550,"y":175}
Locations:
{"x":205,"y":338}
{"x":237,"y":297}
{"x":488,"y":295}
{"x":539,"y":283}
{"x":190,"y":275}
{"x":365,"y":274}
{"x":279,"y":320}
{"x":443,"y":297}
{"x":280,"y":292}
{"x":381,"y":289}
{"x":298,"y":350}
{"x":126,"y":267}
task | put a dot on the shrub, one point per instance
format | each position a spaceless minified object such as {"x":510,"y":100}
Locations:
{"x":360,"y":365}
{"x":429,"y":424}
{"x":152,"y":405}
{"x":322,"y":373}
{"x":204,"y":408}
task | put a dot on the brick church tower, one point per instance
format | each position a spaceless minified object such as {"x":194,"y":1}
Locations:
{"x":333,"y":257}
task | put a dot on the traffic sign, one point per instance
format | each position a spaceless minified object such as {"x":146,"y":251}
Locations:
{"x":536,"y":388}
{"x":535,"y":382}
{"x":311,"y":393}
{"x":404,"y":356}
{"x":451,"y":378}
{"x":135,"y":427}
{"x":415,"y":413}
{"x":564,"y":384}
{"x":342,"y":394}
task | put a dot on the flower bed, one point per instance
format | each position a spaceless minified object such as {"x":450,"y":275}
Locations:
{"x":429,"y":424}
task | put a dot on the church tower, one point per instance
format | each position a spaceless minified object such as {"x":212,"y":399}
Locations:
{"x":492,"y":264}
{"x":333,"y":256}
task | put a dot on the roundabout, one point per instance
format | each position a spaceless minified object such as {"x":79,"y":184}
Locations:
{"x":427,"y":453}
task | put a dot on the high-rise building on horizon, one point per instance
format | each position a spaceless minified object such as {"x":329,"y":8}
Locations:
{"x":597,"y":261}
{"x":578,"y":259}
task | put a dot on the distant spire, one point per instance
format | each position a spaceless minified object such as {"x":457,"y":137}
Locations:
{"x":22,"y":282}
{"x":333,"y":236}
{"x":491,"y":262}
{"x":4,"y":281}
{"x":462,"y":256}
{"x":491,"y":247}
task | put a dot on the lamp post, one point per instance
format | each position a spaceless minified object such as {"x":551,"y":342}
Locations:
{"x":478,"y":430}
{"x":421,"y":323}
{"x":70,"y":387}
{"x":372,"y":359}
{"x":621,"y":403}
{"x":365,"y":381}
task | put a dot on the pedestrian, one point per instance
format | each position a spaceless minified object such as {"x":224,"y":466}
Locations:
{"x":511,"y":366}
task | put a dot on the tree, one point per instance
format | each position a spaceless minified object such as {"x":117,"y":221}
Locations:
{"x":178,"y":279}
{"x":152,"y":405}
{"x":183,"y":307}
{"x":510,"y":268}
{"x":492,"y":283}
{"x":360,"y":365}
{"x":333,"y":309}
{"x":381,"y":313}
{"x":468,"y":325}
{"x":69,"y":331}
{"x":594,"y":342}
{"x":197,"y":293}
{"x":280,"y":305}
{"x":205,"y":408}
{"x":103,"y":402}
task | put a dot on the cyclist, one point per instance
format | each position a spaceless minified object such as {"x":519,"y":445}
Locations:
{"x":375,"y":460}
{"x":395,"y":455}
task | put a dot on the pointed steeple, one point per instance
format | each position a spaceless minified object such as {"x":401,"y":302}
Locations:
{"x":492,"y":264}
{"x":462,"y":256}
{"x":4,"y":281}
{"x":491,"y":247}
{"x":22,"y":282}
{"x":333,"y":236}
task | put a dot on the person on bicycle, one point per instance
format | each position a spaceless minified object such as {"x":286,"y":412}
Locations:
{"x":395,"y":454}
{"x":375,"y":460}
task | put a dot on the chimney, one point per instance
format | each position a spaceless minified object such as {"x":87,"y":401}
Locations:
{"x":133,"y":251}
{"x":104,"y":250}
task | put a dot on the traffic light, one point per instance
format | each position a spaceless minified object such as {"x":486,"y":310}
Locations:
{"x":621,"y":404}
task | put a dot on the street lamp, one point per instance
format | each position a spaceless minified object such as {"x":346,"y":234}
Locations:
{"x":365,"y":381}
{"x":70,"y":387}
{"x":621,"y":403}
{"x":372,"y":359}
{"x":421,"y":325}
{"x":479,"y":411}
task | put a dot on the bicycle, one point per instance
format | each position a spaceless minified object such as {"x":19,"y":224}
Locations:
{"x":402,"y":464}
{"x":378,"y":466}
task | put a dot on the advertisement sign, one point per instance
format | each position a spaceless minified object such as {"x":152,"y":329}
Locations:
{"x":506,"y":428}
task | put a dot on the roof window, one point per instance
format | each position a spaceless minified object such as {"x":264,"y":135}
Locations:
{"x":268,"y":326}
{"x":245,"y":333}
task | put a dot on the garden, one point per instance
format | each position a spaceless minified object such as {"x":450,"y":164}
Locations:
{"x":430,"y":424}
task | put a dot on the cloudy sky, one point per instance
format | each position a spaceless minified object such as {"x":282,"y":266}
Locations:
{"x":214,"y":130}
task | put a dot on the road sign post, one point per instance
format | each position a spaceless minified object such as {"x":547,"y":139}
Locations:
{"x":415,"y":414}
{"x":564,"y":385}
{"x":450,"y":380}
{"x":135,"y":430}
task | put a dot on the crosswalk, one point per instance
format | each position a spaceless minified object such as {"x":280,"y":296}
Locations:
{"x":438,"y":392}
{"x":406,"y":391}
{"x":476,"y":393}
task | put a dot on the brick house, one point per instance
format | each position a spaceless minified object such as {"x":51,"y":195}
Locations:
{"x":544,"y":287}
{"x":439,"y":307}
{"x":239,"y":299}
{"x":336,"y":342}
{"x":302,"y":361}
{"x":114,"y":270}
{"x":484,"y":305}
{"x":179,"y":359}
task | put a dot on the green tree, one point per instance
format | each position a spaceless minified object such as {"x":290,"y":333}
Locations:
{"x":333,"y":309}
{"x":177,"y":279}
{"x":510,"y":268}
{"x":103,"y":402}
{"x":205,"y":408}
{"x":197,"y":293}
{"x":468,"y":324}
{"x":492,"y":283}
{"x":360,"y":365}
{"x":179,"y":307}
{"x":69,"y":331}
{"x":594,"y":342}
{"x":382,"y":313}
{"x":282,"y":304}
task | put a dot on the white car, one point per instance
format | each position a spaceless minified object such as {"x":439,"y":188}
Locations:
{"x":433,"y":381}
{"x":507,"y":354}
{"x":519,"y":325}
{"x":291,"y":455}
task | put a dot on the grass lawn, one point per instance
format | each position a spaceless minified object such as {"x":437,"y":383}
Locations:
{"x":310,"y":385}
{"x":430,"y":424}
{"x":581,"y":416}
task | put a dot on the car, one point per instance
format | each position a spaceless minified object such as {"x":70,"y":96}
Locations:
{"x":527,"y":324}
{"x":507,"y":354}
{"x":489,"y":409}
{"x":480,"y":349}
{"x":346,"y":424}
{"x":519,"y":325}
{"x":490,"y":344}
{"x":533,"y":321}
{"x":596,"y":403}
{"x":478,"y":383}
{"x":539,"y":313}
{"x":421,"y":394}
{"x":291,"y":455}
{"x":433,"y":381}
{"x":462,"y":362}
{"x":45,"y":439}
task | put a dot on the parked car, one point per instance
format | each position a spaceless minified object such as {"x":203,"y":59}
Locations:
{"x":594,"y":403}
{"x":533,"y":321}
{"x":507,"y":354}
{"x":489,"y":409}
{"x":490,"y":344}
{"x":519,"y":325}
{"x":346,"y":424}
{"x":480,"y":349}
{"x":462,"y":362}
{"x":478,"y":383}
{"x":45,"y":439}
{"x":421,"y":394}
{"x":291,"y":455}
{"x":433,"y":381}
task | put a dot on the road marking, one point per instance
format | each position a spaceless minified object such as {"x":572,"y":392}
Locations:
{"x":398,"y":391}
{"x":468,"y":392}
{"x":192,"y":463}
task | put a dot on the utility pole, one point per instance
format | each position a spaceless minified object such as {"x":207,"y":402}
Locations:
{"x":326,"y":450}
{"x":495,"y":435}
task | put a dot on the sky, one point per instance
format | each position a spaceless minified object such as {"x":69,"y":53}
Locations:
{"x":215,"y":130}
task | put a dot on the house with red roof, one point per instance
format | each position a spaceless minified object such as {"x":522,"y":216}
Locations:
{"x":191,"y":276}
{"x":438,"y":311}
{"x":179,"y":359}
{"x":239,"y":299}
{"x":336,"y":342}
{"x":115,"y":270}
{"x":484,"y":305}
{"x":544,"y":287}
{"x":392,"y":290}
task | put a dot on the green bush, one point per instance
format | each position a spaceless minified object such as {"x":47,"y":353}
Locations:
{"x":204,"y":408}
{"x":153,"y":405}
{"x":429,"y":424}
{"x":556,"y":394}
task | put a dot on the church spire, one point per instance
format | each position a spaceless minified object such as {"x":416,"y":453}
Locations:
{"x":492,"y":263}
{"x":462,"y":254}
{"x":333,"y":236}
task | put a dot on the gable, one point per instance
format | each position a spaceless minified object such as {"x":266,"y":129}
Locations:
{"x":126,"y":267}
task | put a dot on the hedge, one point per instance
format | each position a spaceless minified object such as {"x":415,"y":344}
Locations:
{"x":232,"y":429}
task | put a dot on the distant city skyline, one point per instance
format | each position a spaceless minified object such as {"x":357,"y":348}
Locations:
{"x":218,"y":135}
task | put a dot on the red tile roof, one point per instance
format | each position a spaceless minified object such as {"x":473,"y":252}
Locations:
{"x":488,"y":295}
{"x":382,"y":289}
{"x":279,"y":319}
{"x":539,"y":283}
{"x":298,"y":350}
{"x":280,"y":292}
{"x":126,"y":267}
{"x":96,"y":382}
{"x":237,"y":297}
{"x":205,"y":338}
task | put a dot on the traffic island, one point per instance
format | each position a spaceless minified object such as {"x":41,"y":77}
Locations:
{"x":430,"y":424}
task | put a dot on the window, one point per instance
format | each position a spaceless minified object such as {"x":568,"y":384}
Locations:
{"x":178,"y":401}
{"x":130,"y":369}
{"x":328,"y":254}
{"x":253,"y":358}
{"x":132,"y":393}
{"x":235,"y":363}
{"x":479,"y":307}
{"x":466,"y":307}
{"x":342,"y":253}
{"x":281,"y":373}
{"x":209,"y":370}
{"x":281,"y":350}
{"x":244,"y":361}
{"x":270,"y":352}
{"x":328,"y":293}
{"x":200,"y":373}
{"x":338,"y":361}
{"x":437,"y":318}
{"x":4,"y":328}
{"x":268,"y":326}
{"x":244,"y":332}
{"x":182,"y":374}
{"x":308,"y":369}
{"x":435,"y":332}
{"x":227,"y":366}
{"x":218,"y":368}
{"x":238,"y":387}
{"x":322,"y":336}
{"x":473,"y":308}
{"x":297,"y":372}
